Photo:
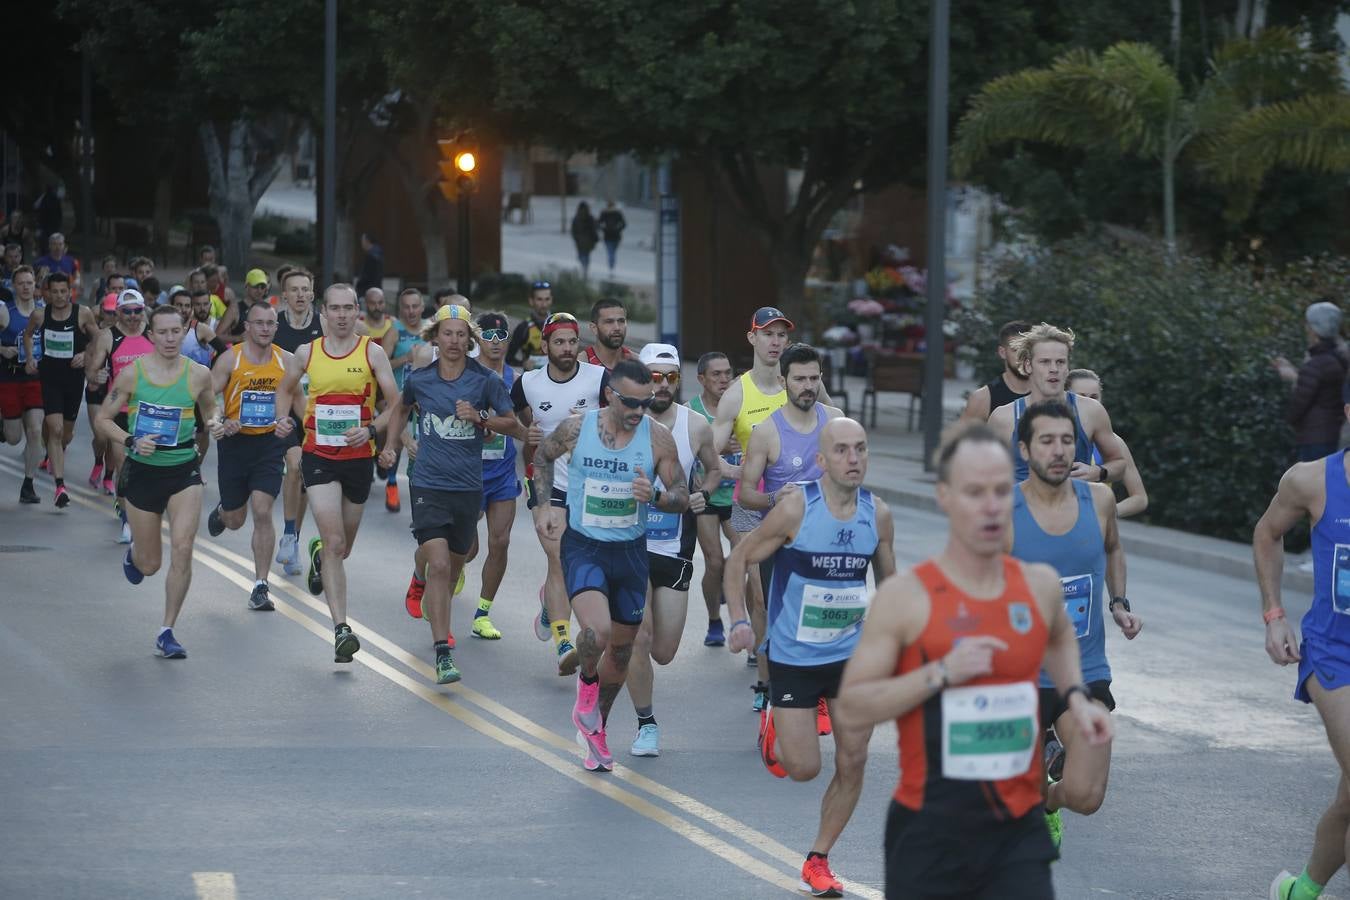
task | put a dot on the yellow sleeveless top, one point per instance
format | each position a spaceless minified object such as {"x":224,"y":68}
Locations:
{"x":378,"y":334}
{"x":756,"y":406}
{"x":251,"y":392}
{"x":341,"y":396}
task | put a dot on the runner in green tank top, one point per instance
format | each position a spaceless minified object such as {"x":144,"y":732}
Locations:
{"x":715,"y":375}
{"x":162,"y":473}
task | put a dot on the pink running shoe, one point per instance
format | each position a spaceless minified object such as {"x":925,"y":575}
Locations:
{"x":595,"y":762}
{"x":108,"y":487}
{"x":95,"y":475}
{"x":586,"y":711}
{"x":62,"y":498}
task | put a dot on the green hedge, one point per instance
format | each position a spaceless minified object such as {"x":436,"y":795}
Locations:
{"x":1183,"y":348}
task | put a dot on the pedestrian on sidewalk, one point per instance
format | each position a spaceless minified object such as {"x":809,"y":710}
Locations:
{"x":586,"y":235}
{"x":612,"y":224}
{"x":1315,"y":408}
{"x":372,"y":264}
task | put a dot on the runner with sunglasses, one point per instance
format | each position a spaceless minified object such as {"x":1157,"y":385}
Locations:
{"x":611,"y":456}
{"x":543,"y":399}
{"x":526,"y":349}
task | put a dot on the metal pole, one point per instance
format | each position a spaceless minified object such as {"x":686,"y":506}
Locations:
{"x":328,"y":206}
{"x":87,"y":151}
{"x":462,"y":238}
{"x":937,"y":228}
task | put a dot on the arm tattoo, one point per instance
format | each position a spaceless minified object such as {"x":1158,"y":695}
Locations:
{"x":561,"y":441}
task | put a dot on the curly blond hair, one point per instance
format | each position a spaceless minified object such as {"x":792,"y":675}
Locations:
{"x":1021,"y":346}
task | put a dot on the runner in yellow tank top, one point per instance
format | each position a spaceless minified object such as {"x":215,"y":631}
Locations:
{"x":339,"y":458}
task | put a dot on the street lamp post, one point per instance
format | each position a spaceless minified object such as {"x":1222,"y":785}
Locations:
{"x":937,"y":229}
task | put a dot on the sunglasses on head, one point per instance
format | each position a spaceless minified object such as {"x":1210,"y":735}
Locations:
{"x":666,"y":377}
{"x":633,"y":402}
{"x":560,"y":317}
{"x":495,"y":334}
{"x":540,"y":286}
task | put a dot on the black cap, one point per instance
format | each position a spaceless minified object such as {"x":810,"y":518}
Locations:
{"x":493,"y":320}
{"x":766,"y":316}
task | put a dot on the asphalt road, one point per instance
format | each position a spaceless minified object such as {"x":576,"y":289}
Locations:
{"x":258,"y":768}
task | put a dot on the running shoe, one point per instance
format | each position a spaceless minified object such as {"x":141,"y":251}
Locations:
{"x":768,"y":735}
{"x":215,"y":525}
{"x":567,"y":658}
{"x":45,"y":465}
{"x":1283,"y":886}
{"x":27,"y":493}
{"x":716,"y":636}
{"x":260,"y":600}
{"x":314,"y":580}
{"x":1054,"y":759}
{"x":134,"y":575}
{"x":761,"y":697}
{"x":62,"y":498}
{"x":412,"y":600}
{"x":823,"y":726}
{"x":345,"y":644}
{"x":446,"y":673}
{"x":591,"y":763}
{"x":1054,"y":823}
{"x":483,"y":628}
{"x":751,"y":660}
{"x":542,"y":628}
{"x":167,"y":646}
{"x":648,"y":741}
{"x":125,"y":536}
{"x":108,"y":487}
{"x":288,"y":554}
{"x":586,"y":709}
{"x":95,"y":475}
{"x":391,"y":501}
{"x":818,"y":880}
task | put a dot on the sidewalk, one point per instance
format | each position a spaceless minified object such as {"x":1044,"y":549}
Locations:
{"x":543,"y":244}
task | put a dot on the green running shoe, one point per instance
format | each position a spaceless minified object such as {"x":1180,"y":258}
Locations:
{"x":315,"y":579}
{"x":1055,"y":823}
{"x":446,"y":673}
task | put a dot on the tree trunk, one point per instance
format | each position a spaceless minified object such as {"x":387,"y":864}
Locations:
{"x":1169,"y":165}
{"x":345,"y":239}
{"x":789,"y":265}
{"x":163,"y":213}
{"x":237,"y":176}
{"x":1176,"y":37}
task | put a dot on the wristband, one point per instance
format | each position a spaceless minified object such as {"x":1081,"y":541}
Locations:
{"x":1271,"y":615}
{"x":1075,"y":689}
{"x":745,"y":622}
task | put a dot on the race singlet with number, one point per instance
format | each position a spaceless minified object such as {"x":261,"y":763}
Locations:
{"x":988,"y":731}
{"x":333,"y":421}
{"x":495,"y":447}
{"x":830,"y":613}
{"x":1078,"y":602}
{"x":661,"y":525}
{"x":160,"y":421}
{"x":257,"y":408}
{"x":1340,"y":590}
{"x":58,"y":344}
{"x":609,"y":504}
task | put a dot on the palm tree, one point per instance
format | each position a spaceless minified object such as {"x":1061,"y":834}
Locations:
{"x":1266,"y":101}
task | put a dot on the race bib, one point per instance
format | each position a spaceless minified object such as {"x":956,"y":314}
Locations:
{"x":662,"y":526}
{"x":1340,"y":580}
{"x":332,"y":422}
{"x":257,"y":409}
{"x":58,"y":344}
{"x":160,"y":421}
{"x":830,"y":613}
{"x":989,"y":731}
{"x":495,"y":448}
{"x":1078,"y":603}
{"x":304,"y":383}
{"x":608,"y":504}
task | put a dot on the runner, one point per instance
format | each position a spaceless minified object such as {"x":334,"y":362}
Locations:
{"x":526,"y":349}
{"x":1010,"y":384}
{"x":251,"y":455}
{"x":200,"y":344}
{"x":779,"y":457}
{"x":543,"y":399}
{"x":951,"y":650}
{"x":298,"y":323}
{"x":670,"y":543}
{"x":1319,"y":492}
{"x":161,"y":391}
{"x":820,"y":540}
{"x":67,"y":329}
{"x":457,"y":399}
{"x":1070,"y":526}
{"x":1043,"y":351}
{"x":609,"y":330}
{"x":344,"y":370}
{"x":399,"y":343}
{"x":21,"y":390}
{"x":602,"y":529}
{"x":373,"y":320}
{"x":1086,"y":383}
{"x":714,"y":377}
{"x":97,"y":379}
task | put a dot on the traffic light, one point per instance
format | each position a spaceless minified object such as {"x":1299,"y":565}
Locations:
{"x":459,"y":167}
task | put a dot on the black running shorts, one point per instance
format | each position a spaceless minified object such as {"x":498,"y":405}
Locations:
{"x":149,"y":488}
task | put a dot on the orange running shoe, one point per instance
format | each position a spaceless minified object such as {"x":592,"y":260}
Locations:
{"x":412,"y":601}
{"x":391,"y":501}
{"x":823,"y":726}
{"x":767,"y":736}
{"x":818,"y":879}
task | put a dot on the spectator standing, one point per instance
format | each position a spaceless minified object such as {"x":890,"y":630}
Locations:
{"x":1316,"y":409}
{"x":612,"y":224}
{"x":372,"y":265}
{"x":585,"y":235}
{"x":16,"y":231}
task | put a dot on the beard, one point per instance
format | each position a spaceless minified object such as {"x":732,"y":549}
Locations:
{"x":1043,"y":473}
{"x":613,"y":341}
{"x":803,"y":401}
{"x":565,"y":363}
{"x":661,"y":404}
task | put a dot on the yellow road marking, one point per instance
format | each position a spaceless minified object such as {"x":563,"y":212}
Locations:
{"x":214,"y":885}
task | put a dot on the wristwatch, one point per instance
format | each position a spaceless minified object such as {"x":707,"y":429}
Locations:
{"x":1123,"y":601}
{"x":1104,"y":474}
{"x":482,"y":415}
{"x":374,"y":433}
{"x":130,"y":442}
{"x":656,"y":497}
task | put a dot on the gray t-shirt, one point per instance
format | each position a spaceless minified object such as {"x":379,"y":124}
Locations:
{"x":450,"y":450}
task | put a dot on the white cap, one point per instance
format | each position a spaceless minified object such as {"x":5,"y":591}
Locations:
{"x":130,"y":297}
{"x":659,"y":354}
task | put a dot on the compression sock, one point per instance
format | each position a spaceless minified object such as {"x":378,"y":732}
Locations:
{"x":644,"y":716}
{"x":290,"y":527}
{"x":561,"y":631}
{"x":484,"y":607}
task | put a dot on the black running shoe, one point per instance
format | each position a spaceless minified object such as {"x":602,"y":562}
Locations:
{"x":215,"y":525}
{"x":259,"y":599}
{"x":27,"y":493}
{"x":345,"y":644}
{"x":315,"y":578}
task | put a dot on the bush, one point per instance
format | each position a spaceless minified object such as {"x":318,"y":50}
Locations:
{"x":1183,"y":348}
{"x":300,"y":242}
{"x":500,"y":291}
{"x":269,"y":227}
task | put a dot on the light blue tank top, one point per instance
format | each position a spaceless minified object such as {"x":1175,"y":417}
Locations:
{"x":818,"y":591}
{"x":796,"y":452}
{"x":1079,"y":556}
{"x":193,"y":349}
{"x":1327,"y":621}
{"x":600,"y":502}
{"x":1082,"y":447}
{"x":406,"y":341}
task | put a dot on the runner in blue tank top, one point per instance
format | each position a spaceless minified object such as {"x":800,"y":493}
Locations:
{"x":615,"y":452}
{"x":822,"y":539}
{"x":1319,"y":491}
{"x":1071,"y":526}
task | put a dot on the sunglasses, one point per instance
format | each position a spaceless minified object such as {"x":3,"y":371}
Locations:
{"x":559,"y":317}
{"x":671,"y":378}
{"x":633,"y":402}
{"x":132,"y":310}
{"x":495,"y":334}
{"x":540,"y":286}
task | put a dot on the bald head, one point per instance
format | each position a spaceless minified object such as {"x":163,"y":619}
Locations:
{"x":843,"y":452}
{"x":842,"y":428}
